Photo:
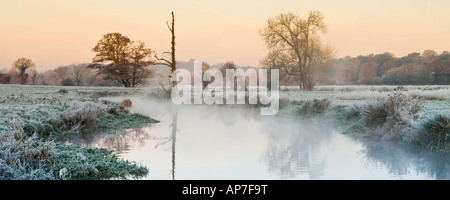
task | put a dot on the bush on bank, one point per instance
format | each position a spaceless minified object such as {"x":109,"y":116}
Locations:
{"x":395,"y":118}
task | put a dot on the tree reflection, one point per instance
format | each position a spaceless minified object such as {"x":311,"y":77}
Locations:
{"x":174,"y":139}
{"x":171,"y":139}
{"x":118,"y":141}
{"x":296,"y":149}
{"x":121,"y":141}
{"x":302,"y":149}
{"x":401,"y":159}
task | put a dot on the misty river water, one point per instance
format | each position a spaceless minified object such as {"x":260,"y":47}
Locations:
{"x":219,"y":142}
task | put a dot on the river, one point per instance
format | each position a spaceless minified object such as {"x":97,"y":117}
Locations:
{"x":222,"y":142}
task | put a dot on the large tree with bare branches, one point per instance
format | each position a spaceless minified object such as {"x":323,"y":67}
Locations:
{"x":294,"y":45}
{"x":123,"y":60}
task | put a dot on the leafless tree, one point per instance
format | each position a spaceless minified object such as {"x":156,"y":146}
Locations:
{"x":168,"y":58}
{"x":78,"y":72}
{"x":295,"y":45}
{"x":34,"y":77}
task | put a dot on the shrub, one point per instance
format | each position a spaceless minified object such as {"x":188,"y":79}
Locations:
{"x":315,"y":107}
{"x":374,"y":113}
{"x":435,"y":134}
{"x":63,"y":91}
{"x":350,"y":113}
{"x":113,"y":111}
{"x":39,"y":128}
{"x":400,"y":88}
{"x":400,"y":108}
{"x":284,"y":102}
{"x":80,"y":115}
{"x":394,"y":117}
{"x":67,"y":82}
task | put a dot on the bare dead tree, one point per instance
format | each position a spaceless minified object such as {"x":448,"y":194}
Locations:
{"x":170,"y":62}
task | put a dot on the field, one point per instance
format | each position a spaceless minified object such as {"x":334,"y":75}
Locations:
{"x":437,"y":98}
{"x":35,"y":120}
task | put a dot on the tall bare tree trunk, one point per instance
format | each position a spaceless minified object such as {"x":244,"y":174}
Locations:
{"x":174,"y":62}
{"x":172,"y":30}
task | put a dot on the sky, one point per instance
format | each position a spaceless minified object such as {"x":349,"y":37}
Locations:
{"x":62,"y":32}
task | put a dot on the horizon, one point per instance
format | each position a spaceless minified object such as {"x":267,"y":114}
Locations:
{"x":59,"y":33}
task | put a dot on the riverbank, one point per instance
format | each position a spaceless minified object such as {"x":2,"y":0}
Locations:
{"x":36,"y":118}
{"x":417,"y":115}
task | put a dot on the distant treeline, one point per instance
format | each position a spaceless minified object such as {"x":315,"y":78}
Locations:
{"x":71,"y":75}
{"x":428,"y":68}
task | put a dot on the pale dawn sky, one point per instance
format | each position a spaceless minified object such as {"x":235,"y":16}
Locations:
{"x":61,"y":32}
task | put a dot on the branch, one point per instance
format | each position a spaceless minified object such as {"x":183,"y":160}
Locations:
{"x":168,"y":26}
{"x":167,"y":62}
{"x":278,"y":33}
{"x":289,"y":72}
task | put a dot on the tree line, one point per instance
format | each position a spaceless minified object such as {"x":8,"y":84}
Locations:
{"x":118,"y":61}
{"x":294,"y":47}
{"x":69,"y":75}
{"x":426,"y":68}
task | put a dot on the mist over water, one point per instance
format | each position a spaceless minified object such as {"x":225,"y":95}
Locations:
{"x":228,"y":142}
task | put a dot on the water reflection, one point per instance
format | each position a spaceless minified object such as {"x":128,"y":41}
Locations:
{"x":174,"y":139}
{"x":217,"y":142}
{"x":296,"y":149}
{"x":120,"y":141}
{"x":402,"y":160}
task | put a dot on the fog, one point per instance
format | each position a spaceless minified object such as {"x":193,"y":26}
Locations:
{"x":232,"y":142}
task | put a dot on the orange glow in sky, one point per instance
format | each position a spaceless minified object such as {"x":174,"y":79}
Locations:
{"x":61,"y":32}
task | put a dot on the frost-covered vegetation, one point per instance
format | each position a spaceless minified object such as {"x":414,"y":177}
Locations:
{"x":26,"y":157}
{"x":366,"y":92}
{"x":435,"y":133}
{"x":34,"y":118}
{"x":81,"y":115}
{"x":411,"y":114}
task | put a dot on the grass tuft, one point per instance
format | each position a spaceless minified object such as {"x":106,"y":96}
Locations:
{"x":435,"y":134}
{"x":314,"y":107}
